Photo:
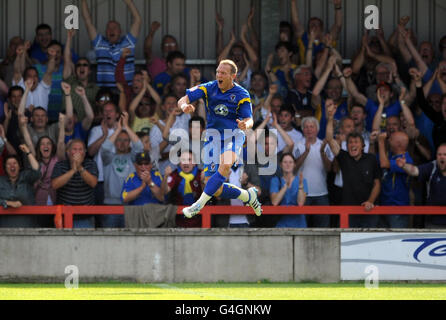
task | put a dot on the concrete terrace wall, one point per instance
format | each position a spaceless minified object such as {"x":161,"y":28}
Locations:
{"x":169,"y":255}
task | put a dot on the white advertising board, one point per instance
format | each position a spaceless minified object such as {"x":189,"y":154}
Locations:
{"x":396,"y":256}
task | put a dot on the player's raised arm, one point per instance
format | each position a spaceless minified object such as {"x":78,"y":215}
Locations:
{"x":185,"y":106}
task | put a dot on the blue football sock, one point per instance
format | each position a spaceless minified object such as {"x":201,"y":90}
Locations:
{"x":214,"y":183}
{"x":231,"y":191}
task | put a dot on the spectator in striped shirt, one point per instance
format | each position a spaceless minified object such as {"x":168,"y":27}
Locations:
{"x":55,"y":96}
{"x":74,"y":180}
{"x":108,"y":49}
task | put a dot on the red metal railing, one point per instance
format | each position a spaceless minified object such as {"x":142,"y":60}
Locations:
{"x":63,"y":215}
{"x":56,"y":210}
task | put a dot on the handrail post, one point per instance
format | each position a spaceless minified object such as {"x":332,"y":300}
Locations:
{"x":68,"y":217}
{"x":206,"y":220}
{"x":58,"y":217}
{"x":343,"y":220}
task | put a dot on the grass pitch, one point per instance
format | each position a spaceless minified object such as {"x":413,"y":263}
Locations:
{"x":223,"y":291}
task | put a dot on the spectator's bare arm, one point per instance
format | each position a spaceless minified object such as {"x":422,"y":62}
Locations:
{"x":383,"y":42}
{"x":220,"y":25}
{"x":410,"y":169}
{"x":164,"y":184}
{"x":22,"y":104}
{"x":297,"y":25}
{"x":252,"y":54}
{"x":60,"y":150}
{"x":300,"y":161}
{"x":352,"y":89}
{"x":3,"y":88}
{"x":428,"y":85}
{"x":122,"y":97}
{"x":68,"y":66}
{"x":277,"y":197}
{"x":244,"y":73}
{"x":369,"y":204}
{"x":383,"y":160}
{"x":23,"y":127}
{"x":148,"y":42}
{"x":404,"y":51}
{"x":51,"y":67}
{"x":225,"y":52}
{"x":285,"y":136}
{"x":440,"y":81}
{"x":30,"y":157}
{"x":359,"y":60}
{"x":377,"y":118}
{"x":154,"y":94}
{"x":89,"y":113}
{"x":91,"y":29}
{"x":8,"y":114}
{"x":325,"y":160}
{"x":316,"y":96}
{"x":414,"y":52}
{"x":394,"y":38}
{"x":253,"y":34}
{"x":337,"y":26}
{"x":66,"y":88}
{"x":136,"y":101}
{"x":405,"y":108}
{"x":379,"y":57}
{"x":137,"y":21}
{"x":272,"y":78}
{"x":93,"y":149}
{"x":309,"y":53}
{"x":19,"y":64}
{"x":329,"y":133}
{"x":8,"y":146}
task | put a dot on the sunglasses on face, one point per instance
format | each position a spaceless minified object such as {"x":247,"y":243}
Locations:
{"x":104,"y":98}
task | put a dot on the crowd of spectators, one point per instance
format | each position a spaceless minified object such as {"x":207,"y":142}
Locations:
{"x":366,"y":133}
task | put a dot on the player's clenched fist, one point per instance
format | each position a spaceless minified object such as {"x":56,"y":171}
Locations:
{"x":243,"y":125}
{"x":187,"y":108}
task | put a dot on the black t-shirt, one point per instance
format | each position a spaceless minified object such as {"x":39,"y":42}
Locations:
{"x":299,"y":100}
{"x":436,"y":189}
{"x":358,"y":177}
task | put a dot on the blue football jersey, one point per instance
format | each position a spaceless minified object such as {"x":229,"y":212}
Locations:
{"x":222,"y":108}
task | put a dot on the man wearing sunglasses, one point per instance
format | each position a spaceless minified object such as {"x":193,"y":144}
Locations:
{"x":77,"y":75}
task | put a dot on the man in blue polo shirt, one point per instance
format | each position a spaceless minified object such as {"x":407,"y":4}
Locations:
{"x":108,"y":49}
{"x":395,"y":184}
{"x":144,"y":185}
{"x":434,"y":174}
{"x":383,"y":89}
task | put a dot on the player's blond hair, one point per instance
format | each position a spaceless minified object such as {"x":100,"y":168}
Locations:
{"x":232,"y":64}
